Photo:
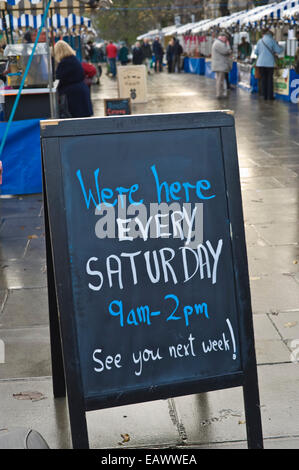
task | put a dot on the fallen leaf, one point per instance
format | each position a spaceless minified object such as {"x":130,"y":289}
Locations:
{"x":125,"y":437}
{"x":290,"y":324}
{"x":33,"y":396}
{"x":30,"y":237}
{"x":241,"y":422}
{"x":273,"y":312}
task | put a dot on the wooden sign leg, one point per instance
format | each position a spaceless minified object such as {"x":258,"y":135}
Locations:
{"x":78,"y":425}
{"x":55,"y":336}
{"x":252,"y":411}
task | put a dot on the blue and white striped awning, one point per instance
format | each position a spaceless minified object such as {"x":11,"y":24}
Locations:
{"x":291,"y":12}
{"x":273,"y":11}
{"x":34,"y":21}
{"x":34,"y":2}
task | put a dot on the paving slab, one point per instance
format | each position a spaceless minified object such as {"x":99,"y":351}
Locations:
{"x":279,"y":234}
{"x":25,"y":308}
{"x":221,"y":414}
{"x":269,"y":444}
{"x":252,"y":237}
{"x":272,"y":293}
{"x":22,"y":274}
{"x":257,"y":212}
{"x":25,"y":205}
{"x":271,"y":352}
{"x":267,"y":171}
{"x":274,"y":259}
{"x":287,"y":324}
{"x":264,"y":182}
{"x":264,"y":328}
{"x":36,"y":249}
{"x":27,"y":352}
{"x":12,"y":249}
{"x":3,"y":298}
{"x":21,"y":227}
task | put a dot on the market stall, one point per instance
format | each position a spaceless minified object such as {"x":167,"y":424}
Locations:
{"x":35,"y":101}
{"x":28,"y":94}
{"x":282,"y":18}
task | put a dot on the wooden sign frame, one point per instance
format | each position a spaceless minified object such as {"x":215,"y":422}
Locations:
{"x":107,"y":100}
{"x":64,"y":342}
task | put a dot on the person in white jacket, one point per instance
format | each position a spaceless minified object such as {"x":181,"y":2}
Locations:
{"x":221,"y":62}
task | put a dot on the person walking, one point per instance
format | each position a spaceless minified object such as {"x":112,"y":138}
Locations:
{"x":74,"y":96}
{"x":111,"y":53}
{"x":123,"y":54}
{"x":137,"y":54}
{"x":170,"y":55}
{"x":221,"y":63}
{"x":158,"y":53}
{"x":177,"y":52}
{"x":266,"y":50}
{"x":147,"y":54}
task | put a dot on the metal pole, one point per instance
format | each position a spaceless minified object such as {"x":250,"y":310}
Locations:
{"x":50,"y":71}
{"x":10,"y":25}
{"x":23,"y":81}
{"x":4,"y":25}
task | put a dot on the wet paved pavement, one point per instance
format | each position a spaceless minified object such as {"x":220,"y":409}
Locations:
{"x":268,"y":145}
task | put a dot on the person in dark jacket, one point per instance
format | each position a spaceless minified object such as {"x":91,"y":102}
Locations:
{"x":137,"y":54}
{"x":147,"y":54}
{"x":177,"y":52}
{"x":71,"y":85}
{"x":158,"y":52}
{"x":123,"y":54}
{"x":170,"y":55}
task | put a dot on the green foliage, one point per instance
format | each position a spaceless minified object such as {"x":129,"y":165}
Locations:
{"x":127,"y":19}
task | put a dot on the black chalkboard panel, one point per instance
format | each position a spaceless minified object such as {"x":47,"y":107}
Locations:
{"x":145,"y":224}
{"x":117,"y":106}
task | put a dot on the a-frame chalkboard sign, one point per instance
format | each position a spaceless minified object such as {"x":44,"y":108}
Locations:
{"x":147,"y":269}
{"x":117,"y":106}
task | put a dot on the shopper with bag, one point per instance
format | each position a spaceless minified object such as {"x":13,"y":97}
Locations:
{"x":266,"y":51}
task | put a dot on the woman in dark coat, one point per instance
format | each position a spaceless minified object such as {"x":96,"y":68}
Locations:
{"x":71,"y":85}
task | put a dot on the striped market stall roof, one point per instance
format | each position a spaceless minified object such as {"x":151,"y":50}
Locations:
{"x":34,"y":21}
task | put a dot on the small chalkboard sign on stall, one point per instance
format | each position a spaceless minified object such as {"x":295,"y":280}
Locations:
{"x":117,"y":106}
{"x":146,"y":262}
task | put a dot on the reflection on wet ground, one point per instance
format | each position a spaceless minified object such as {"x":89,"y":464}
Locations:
{"x":268,"y":146}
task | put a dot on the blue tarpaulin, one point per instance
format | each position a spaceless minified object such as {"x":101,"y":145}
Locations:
{"x":194,"y":65}
{"x":21,"y":158}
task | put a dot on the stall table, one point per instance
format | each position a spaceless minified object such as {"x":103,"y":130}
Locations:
{"x":233,"y":74}
{"x":286,"y":85}
{"x":194,"y":65}
{"x":34,"y":103}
